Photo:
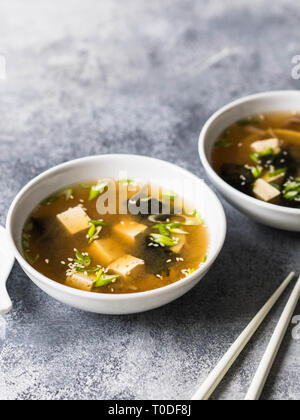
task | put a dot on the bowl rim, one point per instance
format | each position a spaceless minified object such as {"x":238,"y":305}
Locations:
{"x":215,"y":176}
{"x":106,"y":296}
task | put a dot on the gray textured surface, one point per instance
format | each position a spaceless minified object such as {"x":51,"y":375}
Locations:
{"x":140,"y":77}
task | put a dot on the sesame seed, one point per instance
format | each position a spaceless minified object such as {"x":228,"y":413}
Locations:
{"x":46,"y":261}
{"x":63,"y":262}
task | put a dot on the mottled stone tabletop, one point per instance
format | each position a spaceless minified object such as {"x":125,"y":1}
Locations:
{"x":134,"y":76}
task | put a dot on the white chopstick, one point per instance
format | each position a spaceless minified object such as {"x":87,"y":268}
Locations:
{"x":268,"y":359}
{"x":218,"y":373}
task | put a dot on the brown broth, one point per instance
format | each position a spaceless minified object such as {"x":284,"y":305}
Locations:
{"x":234,"y":146}
{"x":45,"y":236}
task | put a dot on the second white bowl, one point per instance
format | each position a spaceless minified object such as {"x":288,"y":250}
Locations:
{"x":268,"y":214}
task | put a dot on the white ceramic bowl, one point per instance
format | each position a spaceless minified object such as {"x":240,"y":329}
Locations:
{"x":268,"y":214}
{"x":90,"y":168}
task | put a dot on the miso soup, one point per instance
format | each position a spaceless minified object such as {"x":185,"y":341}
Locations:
{"x":260,"y":156}
{"x":69,"y":241}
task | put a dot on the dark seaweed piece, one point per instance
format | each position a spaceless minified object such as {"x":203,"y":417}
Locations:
{"x":40,"y":225}
{"x":290,"y":203}
{"x":284,"y":160}
{"x":156,"y":258}
{"x":267,"y":161}
{"x":239,"y":177}
{"x":45,"y":227}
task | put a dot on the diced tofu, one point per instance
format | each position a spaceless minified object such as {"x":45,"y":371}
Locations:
{"x":127,"y":266}
{"x":277,"y":179}
{"x":74,"y":220}
{"x":265,"y":191}
{"x":262,"y":146}
{"x":105,"y":251}
{"x":129,"y":230}
{"x":181,"y":240}
{"x":81,"y":281}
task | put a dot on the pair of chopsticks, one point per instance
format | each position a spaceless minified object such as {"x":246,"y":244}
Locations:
{"x":260,"y":378}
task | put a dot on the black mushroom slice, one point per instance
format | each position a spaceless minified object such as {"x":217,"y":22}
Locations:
{"x":239,"y":177}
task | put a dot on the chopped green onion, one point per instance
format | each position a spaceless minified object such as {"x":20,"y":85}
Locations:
{"x":255,"y":158}
{"x":197,"y":215}
{"x":278,"y":172}
{"x":97,"y":190}
{"x":82,"y":259}
{"x":267,"y":152}
{"x":26,"y":241}
{"x":291,"y":195}
{"x":94,"y":233}
{"x":99,"y":223}
{"x":162,"y":240}
{"x":103,"y":279}
{"x":246,"y":121}
{"x":292,"y":185}
{"x":28,"y":227}
{"x":292,"y":190}
{"x":67,"y":193}
{"x":191,"y":271}
{"x":223,"y":143}
{"x":167,"y":228}
{"x":30,"y":259}
{"x":274,"y":185}
{"x":178,"y":231}
{"x":226,"y":132}
{"x":257,"y":171}
{"x":162,"y":227}
{"x":126,"y":181}
{"x":169,"y":195}
{"x":205,"y":258}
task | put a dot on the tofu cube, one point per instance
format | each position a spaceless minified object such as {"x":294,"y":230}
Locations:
{"x":127,"y":266}
{"x":105,"y":251}
{"x":129,"y":230}
{"x":265,"y":191}
{"x":81,"y":281}
{"x":262,"y":146}
{"x":74,"y":220}
{"x":181,"y":240}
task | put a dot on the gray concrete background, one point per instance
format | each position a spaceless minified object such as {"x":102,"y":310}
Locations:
{"x":141,"y":77}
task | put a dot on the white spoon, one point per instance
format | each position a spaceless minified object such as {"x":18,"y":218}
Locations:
{"x":7,"y":260}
